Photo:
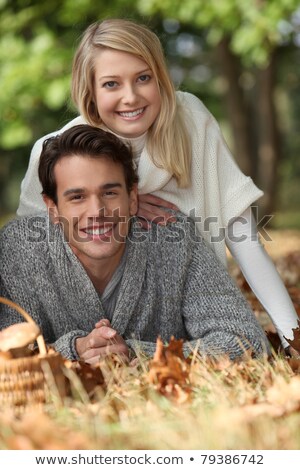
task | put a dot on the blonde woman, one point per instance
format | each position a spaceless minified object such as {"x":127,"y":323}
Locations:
{"x":120,"y":83}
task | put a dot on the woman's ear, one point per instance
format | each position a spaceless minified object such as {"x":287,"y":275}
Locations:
{"x":133,"y":200}
{"x":52,"y":209}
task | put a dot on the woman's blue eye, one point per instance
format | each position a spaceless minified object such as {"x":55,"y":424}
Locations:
{"x":110,"y":84}
{"x":144,"y":78}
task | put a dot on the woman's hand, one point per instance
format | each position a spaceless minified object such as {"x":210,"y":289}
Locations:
{"x":152,"y":208}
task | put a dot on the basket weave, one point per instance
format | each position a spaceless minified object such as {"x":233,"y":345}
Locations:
{"x":27,"y":381}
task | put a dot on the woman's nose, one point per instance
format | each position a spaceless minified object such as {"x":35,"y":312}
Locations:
{"x":129,"y":94}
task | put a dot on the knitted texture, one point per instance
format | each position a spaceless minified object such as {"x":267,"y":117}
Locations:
{"x":172,"y":284}
{"x":218,"y":192}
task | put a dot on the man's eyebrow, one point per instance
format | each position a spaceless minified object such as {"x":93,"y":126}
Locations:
{"x":111,"y":185}
{"x":82,"y":190}
{"x":73,"y":191}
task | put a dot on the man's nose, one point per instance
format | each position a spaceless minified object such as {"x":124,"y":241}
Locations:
{"x":97,"y":208}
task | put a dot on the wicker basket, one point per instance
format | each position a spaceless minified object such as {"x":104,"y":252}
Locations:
{"x":28,"y":381}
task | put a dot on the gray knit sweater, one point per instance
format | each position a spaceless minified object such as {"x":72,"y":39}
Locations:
{"x":172,"y":284}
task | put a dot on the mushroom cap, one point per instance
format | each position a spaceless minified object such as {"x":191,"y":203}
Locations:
{"x":18,"y":335}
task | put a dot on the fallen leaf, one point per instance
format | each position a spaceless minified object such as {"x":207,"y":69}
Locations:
{"x":295,"y":342}
{"x":35,"y":430}
{"x":169,"y":371}
{"x":90,"y":376}
{"x":294,"y":364}
{"x":285,"y":394}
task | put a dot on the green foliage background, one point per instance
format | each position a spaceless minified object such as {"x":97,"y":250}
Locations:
{"x":37,"y":43}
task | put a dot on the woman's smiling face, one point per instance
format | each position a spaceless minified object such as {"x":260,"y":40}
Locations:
{"x":127,"y":95}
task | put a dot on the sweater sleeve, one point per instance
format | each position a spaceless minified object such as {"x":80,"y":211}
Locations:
{"x":31,"y":201}
{"x":18,"y":264}
{"x":258,"y":268}
{"x":217,"y":317}
{"x":217,"y":178}
{"x":65,"y":345}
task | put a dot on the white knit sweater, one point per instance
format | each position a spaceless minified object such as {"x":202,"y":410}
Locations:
{"x":219,"y":191}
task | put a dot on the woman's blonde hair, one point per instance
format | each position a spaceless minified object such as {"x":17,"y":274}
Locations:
{"x":168,"y":142}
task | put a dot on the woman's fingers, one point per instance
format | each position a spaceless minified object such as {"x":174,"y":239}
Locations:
{"x":155,"y":214}
{"x":155,"y":209}
{"x":156,"y":201}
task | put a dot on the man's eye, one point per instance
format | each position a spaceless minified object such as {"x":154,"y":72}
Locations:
{"x":110,"y":84}
{"x":76,"y":197}
{"x":110,"y":193}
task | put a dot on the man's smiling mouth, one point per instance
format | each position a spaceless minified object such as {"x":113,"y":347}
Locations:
{"x":98,"y":230}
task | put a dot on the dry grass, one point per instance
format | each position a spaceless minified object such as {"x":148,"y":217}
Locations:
{"x":249,"y":405}
{"x":254,"y":404}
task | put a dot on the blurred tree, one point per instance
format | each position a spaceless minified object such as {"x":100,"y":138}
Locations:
{"x":37,"y":43}
{"x":248,"y":36}
{"x":38,"y":40}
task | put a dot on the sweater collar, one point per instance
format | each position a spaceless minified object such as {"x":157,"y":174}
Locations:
{"x":133,"y":276}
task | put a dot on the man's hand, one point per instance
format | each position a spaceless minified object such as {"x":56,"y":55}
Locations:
{"x":102,"y":341}
{"x":153,"y":208}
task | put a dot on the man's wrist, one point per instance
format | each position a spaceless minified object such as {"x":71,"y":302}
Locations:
{"x":79,"y":345}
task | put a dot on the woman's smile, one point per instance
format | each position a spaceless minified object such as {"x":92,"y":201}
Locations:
{"x":127,"y":94}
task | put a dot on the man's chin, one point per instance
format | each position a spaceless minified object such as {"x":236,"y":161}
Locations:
{"x":97,"y":250}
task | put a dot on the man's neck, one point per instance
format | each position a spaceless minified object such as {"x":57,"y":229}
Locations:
{"x":101,"y":271}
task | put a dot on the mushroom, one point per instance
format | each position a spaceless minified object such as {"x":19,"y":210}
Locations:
{"x":18,"y":336}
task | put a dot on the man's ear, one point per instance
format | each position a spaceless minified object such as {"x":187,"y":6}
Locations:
{"x":133,"y":200}
{"x":52,"y":209}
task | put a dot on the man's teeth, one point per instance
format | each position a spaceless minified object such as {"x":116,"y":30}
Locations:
{"x":98,"y":231}
{"x":130,"y":114}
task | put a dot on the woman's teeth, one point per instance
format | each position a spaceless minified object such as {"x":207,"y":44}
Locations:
{"x":130,"y":114}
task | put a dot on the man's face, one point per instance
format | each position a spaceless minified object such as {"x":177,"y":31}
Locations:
{"x":93,"y":206}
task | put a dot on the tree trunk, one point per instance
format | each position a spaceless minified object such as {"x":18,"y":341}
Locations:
{"x":255,"y":131}
{"x":269,"y":137}
{"x":238,"y":112}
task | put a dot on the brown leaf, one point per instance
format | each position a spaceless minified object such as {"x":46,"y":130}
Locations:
{"x":169,"y":371}
{"x":18,"y":336}
{"x":35,"y":430}
{"x":285,"y":394}
{"x":294,"y":364}
{"x":295,"y":342}
{"x":90,"y":375}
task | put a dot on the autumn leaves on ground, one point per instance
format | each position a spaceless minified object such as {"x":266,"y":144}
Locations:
{"x":171,"y":403}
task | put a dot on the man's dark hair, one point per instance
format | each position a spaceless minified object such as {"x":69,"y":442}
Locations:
{"x":84,"y":141}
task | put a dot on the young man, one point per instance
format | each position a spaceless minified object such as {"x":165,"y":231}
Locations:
{"x":96,"y":283}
